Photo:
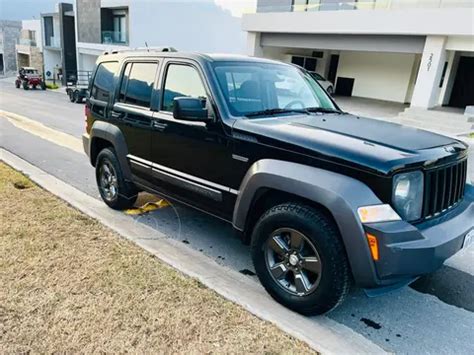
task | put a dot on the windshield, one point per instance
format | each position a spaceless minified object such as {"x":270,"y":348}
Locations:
{"x":265,"y":88}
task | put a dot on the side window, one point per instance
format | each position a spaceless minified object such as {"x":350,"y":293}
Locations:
{"x":181,"y":81}
{"x":137,"y":83}
{"x":104,"y":81}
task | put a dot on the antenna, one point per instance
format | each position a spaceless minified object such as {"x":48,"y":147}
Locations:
{"x":146,"y":45}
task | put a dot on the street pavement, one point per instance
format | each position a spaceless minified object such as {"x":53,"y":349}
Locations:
{"x":434,"y":316}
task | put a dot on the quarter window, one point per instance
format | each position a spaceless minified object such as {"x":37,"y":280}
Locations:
{"x":104,"y":81}
{"x":137,"y":83}
{"x":182,"y":81}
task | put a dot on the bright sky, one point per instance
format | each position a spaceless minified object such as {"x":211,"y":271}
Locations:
{"x":238,"y":7}
{"x":26,"y":9}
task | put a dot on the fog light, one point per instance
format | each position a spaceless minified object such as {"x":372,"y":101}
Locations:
{"x":377,"y":213}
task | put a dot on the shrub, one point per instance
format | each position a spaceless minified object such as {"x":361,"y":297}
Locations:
{"x":52,"y":86}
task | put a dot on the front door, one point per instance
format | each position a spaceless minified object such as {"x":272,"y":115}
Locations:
{"x":191,"y":160}
{"x":463,"y":89}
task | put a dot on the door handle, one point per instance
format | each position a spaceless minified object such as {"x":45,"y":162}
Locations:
{"x":117,"y":115}
{"x":159,"y":126}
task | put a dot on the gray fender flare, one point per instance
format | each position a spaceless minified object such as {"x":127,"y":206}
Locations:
{"x":340,"y":194}
{"x":114,"y":135}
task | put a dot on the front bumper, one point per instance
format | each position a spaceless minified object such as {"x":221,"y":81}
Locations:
{"x":408,"y":251}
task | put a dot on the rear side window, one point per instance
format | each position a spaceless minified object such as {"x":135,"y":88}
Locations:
{"x":137,"y":83}
{"x":104,"y":81}
{"x":182,"y":81}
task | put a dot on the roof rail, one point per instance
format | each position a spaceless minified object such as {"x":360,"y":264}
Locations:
{"x":148,"y":49}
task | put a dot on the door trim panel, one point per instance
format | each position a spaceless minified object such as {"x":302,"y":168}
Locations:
{"x":188,"y":185}
{"x":180,"y":177}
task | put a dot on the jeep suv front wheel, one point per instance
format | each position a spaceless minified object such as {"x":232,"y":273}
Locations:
{"x":300,"y":259}
{"x":114,"y":190}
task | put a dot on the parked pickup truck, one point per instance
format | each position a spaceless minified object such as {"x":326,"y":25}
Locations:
{"x":325,"y":199}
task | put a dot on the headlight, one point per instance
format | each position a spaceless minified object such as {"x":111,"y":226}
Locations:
{"x":407,"y":195}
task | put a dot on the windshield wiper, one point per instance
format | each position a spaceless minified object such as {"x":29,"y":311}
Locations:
{"x":276,"y":111}
{"x":324,"y":110}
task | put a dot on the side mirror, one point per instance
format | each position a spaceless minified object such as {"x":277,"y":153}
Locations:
{"x":190,"y":109}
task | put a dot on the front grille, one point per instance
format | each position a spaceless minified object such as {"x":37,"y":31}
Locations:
{"x":444,"y":188}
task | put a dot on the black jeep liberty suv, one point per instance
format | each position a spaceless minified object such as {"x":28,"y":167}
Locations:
{"x":326,"y":199}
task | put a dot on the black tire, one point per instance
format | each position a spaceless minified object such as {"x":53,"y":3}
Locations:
{"x":17,"y":84}
{"x":71,"y":96}
{"x":126,"y":193}
{"x":78,"y":97}
{"x":334,"y":277}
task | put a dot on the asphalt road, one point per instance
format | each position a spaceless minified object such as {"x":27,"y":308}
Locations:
{"x":434,"y":316}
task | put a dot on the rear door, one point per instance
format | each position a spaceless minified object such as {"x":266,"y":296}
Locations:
{"x":133,"y":114}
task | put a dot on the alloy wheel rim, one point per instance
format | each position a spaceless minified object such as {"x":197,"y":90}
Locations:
{"x":293,"y":261}
{"x":108,"y":181}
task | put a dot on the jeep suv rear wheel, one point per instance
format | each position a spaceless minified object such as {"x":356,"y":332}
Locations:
{"x":114,"y":190}
{"x":300,"y":259}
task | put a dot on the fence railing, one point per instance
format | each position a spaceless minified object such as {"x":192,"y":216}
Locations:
{"x":78,"y":77}
{"x":27,"y":42}
{"x":327,"y":5}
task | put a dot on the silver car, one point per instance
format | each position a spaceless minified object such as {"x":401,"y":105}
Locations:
{"x":326,"y":84}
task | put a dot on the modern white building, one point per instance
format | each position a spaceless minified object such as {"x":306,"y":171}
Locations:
{"x":187,"y":25}
{"x":408,"y":51}
{"x":59,"y":42}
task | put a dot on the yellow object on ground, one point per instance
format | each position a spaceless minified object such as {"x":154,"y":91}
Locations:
{"x":147,"y":207}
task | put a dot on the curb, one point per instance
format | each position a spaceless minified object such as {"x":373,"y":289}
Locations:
{"x":321,"y":333}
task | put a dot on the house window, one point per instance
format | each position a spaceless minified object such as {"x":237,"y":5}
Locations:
{"x":306,"y":5}
{"x":48,"y":30}
{"x":309,"y":63}
{"x":120,"y":28}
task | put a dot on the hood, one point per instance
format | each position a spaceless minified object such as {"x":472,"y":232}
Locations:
{"x":380,"y":145}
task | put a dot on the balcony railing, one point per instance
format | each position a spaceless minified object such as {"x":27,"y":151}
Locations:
{"x":325,"y":5}
{"x":54,"y":42}
{"x":114,"y":37}
{"x":27,"y":42}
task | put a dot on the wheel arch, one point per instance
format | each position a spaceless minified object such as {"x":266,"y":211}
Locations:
{"x":266,"y":198}
{"x":337,"y":194}
{"x":103,"y":135}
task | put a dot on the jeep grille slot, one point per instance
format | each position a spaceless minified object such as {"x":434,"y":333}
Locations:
{"x":444,"y":188}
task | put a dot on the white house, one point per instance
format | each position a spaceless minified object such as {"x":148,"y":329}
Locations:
{"x":59,"y":46}
{"x":187,"y":25}
{"x":417,"y":51}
